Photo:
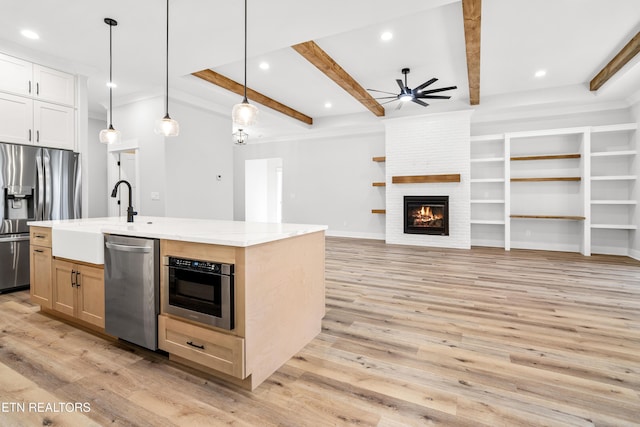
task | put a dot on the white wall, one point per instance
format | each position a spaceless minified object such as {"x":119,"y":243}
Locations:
{"x":429,"y":145}
{"x":325,"y":181}
{"x":96,"y":180}
{"x":194,"y":160}
{"x":136,"y":121}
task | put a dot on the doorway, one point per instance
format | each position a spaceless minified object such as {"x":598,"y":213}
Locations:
{"x":123,"y":164}
{"x":263,"y":190}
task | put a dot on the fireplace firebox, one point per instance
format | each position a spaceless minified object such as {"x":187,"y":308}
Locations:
{"x":426,"y":215}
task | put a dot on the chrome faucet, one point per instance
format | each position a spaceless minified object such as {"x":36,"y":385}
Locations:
{"x":130,"y":211}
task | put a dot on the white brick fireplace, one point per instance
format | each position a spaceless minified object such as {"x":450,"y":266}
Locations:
{"x":432,"y":144}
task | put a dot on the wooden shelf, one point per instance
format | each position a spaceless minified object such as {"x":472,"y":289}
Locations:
{"x":570,"y":217}
{"x":416,"y":179}
{"x":560,"y":178}
{"x":547,"y":157}
{"x":378,"y":211}
{"x":379,"y":184}
{"x":379,"y":159}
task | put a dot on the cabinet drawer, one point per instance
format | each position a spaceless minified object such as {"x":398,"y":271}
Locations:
{"x":40,"y":236}
{"x":222,"y":352}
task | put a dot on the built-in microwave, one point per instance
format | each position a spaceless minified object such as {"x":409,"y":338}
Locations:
{"x":199,"y":290}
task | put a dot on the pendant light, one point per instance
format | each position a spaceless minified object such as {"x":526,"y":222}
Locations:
{"x":110,"y":135}
{"x":167,"y":126}
{"x":240,"y":137}
{"x":244,"y":114}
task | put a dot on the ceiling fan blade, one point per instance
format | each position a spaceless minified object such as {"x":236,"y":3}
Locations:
{"x":387,"y":97}
{"x":442,"y":89}
{"x":402,"y":89}
{"x":425,"y":84}
{"x":432,"y":96}
{"x":417,"y":101}
{"x":393,"y":100}
{"x":399,"y":106}
{"x":381,"y":91}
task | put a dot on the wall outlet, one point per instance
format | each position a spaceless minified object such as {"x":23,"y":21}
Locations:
{"x":155,"y":195}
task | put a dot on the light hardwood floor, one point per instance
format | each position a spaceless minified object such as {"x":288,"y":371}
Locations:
{"x":412,"y":336}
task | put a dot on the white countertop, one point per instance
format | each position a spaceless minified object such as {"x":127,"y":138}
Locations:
{"x":215,"y":232}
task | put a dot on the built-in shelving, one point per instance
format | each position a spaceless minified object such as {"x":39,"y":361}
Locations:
{"x":599,"y":160}
{"x":379,"y":159}
{"x":379,"y":184}
{"x":614,"y":202}
{"x":378,"y":211}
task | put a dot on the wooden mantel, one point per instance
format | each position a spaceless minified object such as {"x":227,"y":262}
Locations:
{"x":416,"y":179}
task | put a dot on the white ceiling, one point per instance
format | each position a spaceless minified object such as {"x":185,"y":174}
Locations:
{"x":571,"y":39}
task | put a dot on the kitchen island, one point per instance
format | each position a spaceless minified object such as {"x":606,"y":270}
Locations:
{"x":278,"y":288}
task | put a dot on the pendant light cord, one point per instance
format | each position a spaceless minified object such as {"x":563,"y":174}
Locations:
{"x":166,"y":99}
{"x":110,"y":78}
{"x":245,"y":52}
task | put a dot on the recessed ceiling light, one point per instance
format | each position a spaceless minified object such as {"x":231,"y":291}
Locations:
{"x":30,"y":34}
{"x":540,"y":73}
{"x":386,"y":36}
{"x":327,"y":105}
{"x":111,"y":84}
{"x":264,"y":65}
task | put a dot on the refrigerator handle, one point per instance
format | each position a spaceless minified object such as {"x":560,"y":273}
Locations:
{"x":46,"y":168}
{"x":40,"y":188}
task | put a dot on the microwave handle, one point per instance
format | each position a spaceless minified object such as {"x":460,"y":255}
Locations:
{"x":127,"y":248}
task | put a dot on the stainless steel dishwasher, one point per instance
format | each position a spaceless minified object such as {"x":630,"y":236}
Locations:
{"x":131,"y":289}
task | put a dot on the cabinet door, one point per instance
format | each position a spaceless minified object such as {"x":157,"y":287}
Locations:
{"x":63,"y":298}
{"x":15,"y":75}
{"x":17,"y":119}
{"x":90,"y":295}
{"x":53,"y":125}
{"x":53,"y":85}
{"x":40,"y":276}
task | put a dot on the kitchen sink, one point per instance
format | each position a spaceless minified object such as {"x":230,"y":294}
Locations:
{"x":78,"y":242}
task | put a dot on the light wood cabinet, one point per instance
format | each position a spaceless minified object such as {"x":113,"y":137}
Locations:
{"x":41,"y":264}
{"x":216,"y":350}
{"x":78,"y":291}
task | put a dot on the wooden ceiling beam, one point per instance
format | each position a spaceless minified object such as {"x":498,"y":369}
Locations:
{"x":318,"y":57}
{"x":235,"y":87}
{"x":625,"y":55}
{"x":472,"y":11}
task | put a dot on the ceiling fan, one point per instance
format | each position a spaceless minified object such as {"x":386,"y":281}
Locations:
{"x":416,"y":94}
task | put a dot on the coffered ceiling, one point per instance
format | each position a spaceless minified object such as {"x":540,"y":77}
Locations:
{"x":572,"y":40}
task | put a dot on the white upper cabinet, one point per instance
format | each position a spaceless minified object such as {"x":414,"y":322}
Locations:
{"x":16,"y":124}
{"x":24,"y":78}
{"x":53,"y":125}
{"x":53,"y":85}
{"x":16,"y":75}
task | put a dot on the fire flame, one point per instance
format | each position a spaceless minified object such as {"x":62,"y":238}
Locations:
{"x":425,"y":216}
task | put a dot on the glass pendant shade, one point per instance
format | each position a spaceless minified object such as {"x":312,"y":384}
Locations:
{"x":109,"y":135}
{"x":167,"y":126}
{"x":244,"y":114}
{"x":240,"y":137}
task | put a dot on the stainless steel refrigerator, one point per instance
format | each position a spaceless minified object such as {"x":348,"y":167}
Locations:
{"x":37,"y":184}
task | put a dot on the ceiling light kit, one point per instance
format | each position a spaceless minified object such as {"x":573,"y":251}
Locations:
{"x":416,"y":94}
{"x":244,"y":114}
{"x":167,"y":126}
{"x":110,"y":135}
